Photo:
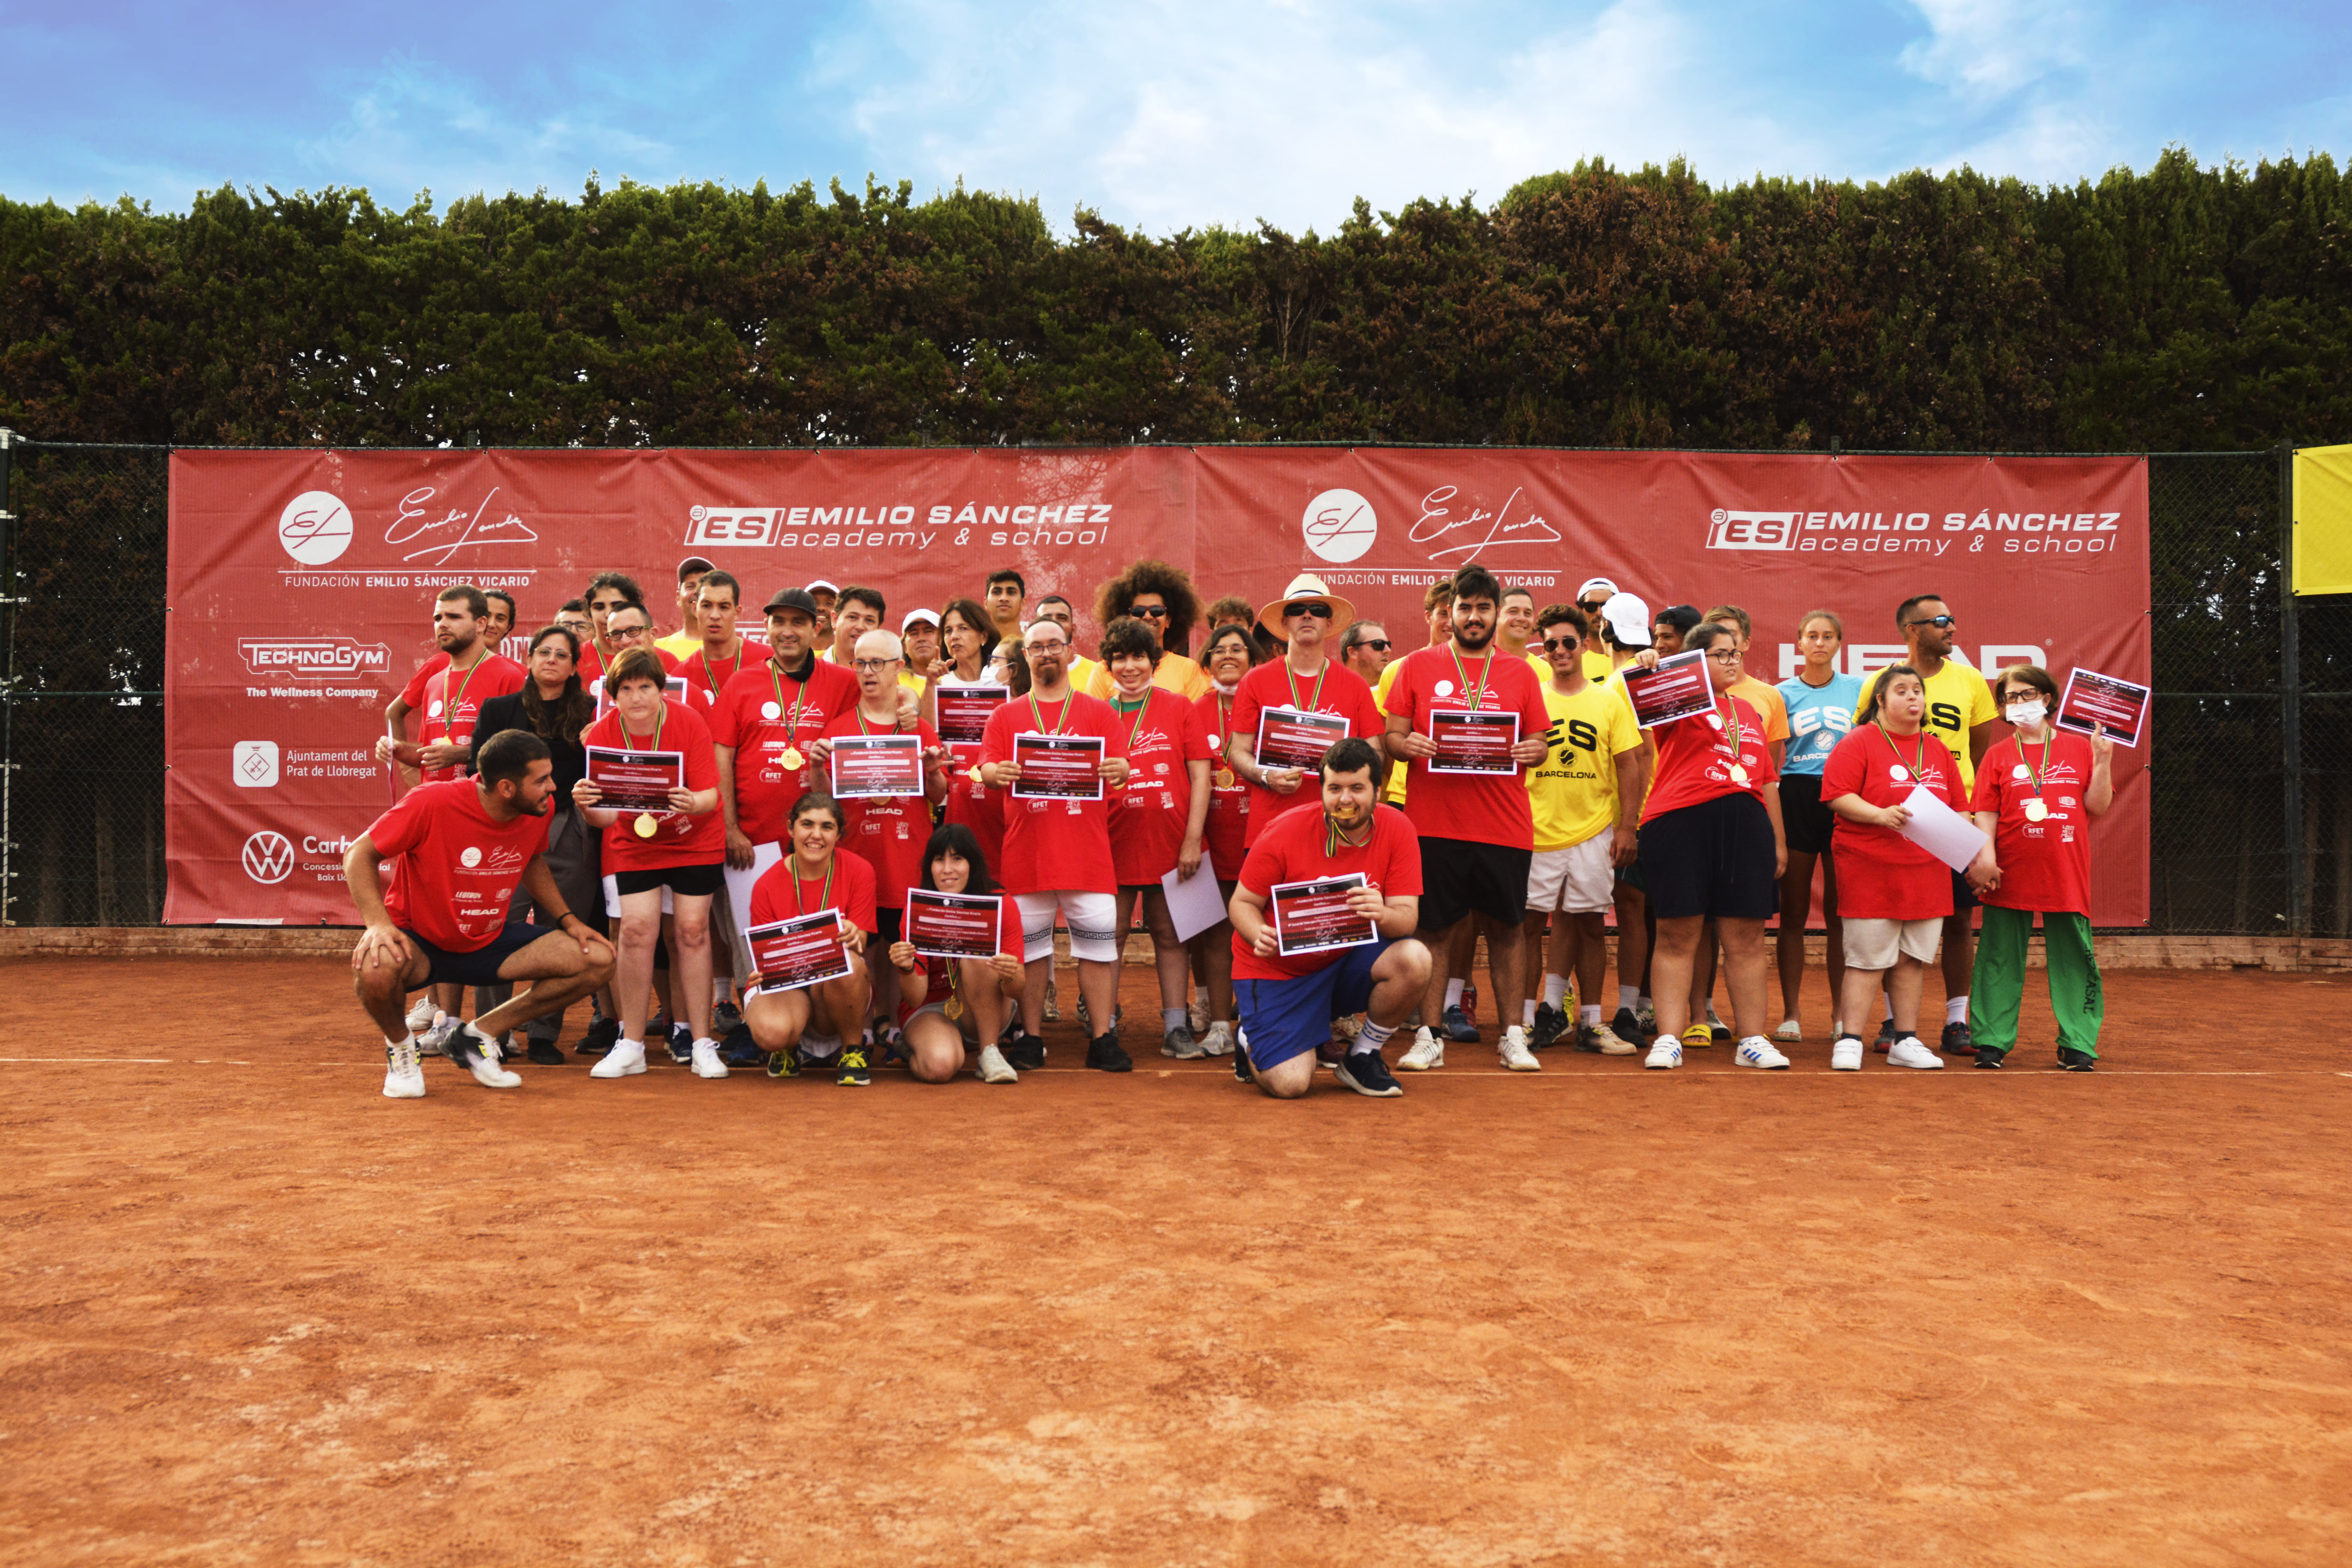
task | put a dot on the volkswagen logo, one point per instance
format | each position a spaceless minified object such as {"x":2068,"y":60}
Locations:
{"x":269,"y":857}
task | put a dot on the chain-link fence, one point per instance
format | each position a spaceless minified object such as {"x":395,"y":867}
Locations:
{"x":82,"y":707}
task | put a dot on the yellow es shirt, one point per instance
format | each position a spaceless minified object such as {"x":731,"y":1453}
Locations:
{"x":1574,"y":790}
{"x":1959,"y":699}
{"x":1181,"y":676}
{"x":1395,"y":791}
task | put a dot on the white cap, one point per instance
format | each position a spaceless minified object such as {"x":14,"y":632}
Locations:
{"x":1628,"y":619}
{"x":820,"y":582}
{"x":1591,"y":582}
{"x":914,"y":615}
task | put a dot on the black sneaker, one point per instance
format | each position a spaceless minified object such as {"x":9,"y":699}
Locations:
{"x":1624,"y":1025}
{"x":1367,"y":1073}
{"x":1717,"y":1033}
{"x":1457,"y":1028}
{"x":1551,"y":1023}
{"x":738,"y":1050}
{"x":1957,"y":1041}
{"x":1990,"y":1055}
{"x":2074,"y":1061}
{"x":544,"y":1053}
{"x":785,"y":1063}
{"x":1886,"y":1037}
{"x":1104,"y":1054}
{"x":602,"y":1036}
{"x":681,"y":1045}
{"x":1026,"y":1054}
{"x":1241,"y":1059}
{"x":852,"y":1073}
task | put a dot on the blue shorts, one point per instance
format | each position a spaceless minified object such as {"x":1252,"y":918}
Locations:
{"x":480,"y":967}
{"x":1283,"y":1018}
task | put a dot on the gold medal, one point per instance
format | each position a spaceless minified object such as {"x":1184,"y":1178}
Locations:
{"x":1225,"y":778}
{"x":645,"y":824}
{"x":793,"y":758}
{"x":972,"y":773}
{"x":1739,"y":774}
{"x":2035,"y":810}
{"x":953,"y":1008}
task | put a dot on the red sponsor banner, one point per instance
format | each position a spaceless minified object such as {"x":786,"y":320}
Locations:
{"x":302,"y":583}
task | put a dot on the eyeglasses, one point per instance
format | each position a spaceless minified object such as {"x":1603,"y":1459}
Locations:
{"x":621,"y":633}
{"x":872,"y":665}
{"x":1381,"y":643}
{"x":1718,"y":656}
{"x":1319,"y":611}
{"x":1554,"y":644}
{"x":1593,"y":609}
{"x":1941,"y":622}
{"x":1157,"y":612}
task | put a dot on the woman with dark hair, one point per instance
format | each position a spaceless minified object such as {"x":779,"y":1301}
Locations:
{"x":552,"y":706}
{"x":1226,"y":658}
{"x":1162,"y":598}
{"x":1159,"y":821}
{"x":1820,"y":703}
{"x":969,"y":644}
{"x":964,"y":1001}
{"x":815,"y":1024}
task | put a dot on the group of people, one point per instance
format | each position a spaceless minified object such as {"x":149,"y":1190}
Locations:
{"x":1493,"y":783}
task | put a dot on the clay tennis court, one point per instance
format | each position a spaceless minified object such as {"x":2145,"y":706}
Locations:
{"x":254,"y":1313}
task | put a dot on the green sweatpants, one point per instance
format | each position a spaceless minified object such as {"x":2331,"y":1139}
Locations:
{"x":1998,"y":987}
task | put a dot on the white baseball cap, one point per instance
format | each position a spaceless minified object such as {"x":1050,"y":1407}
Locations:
{"x":1628,"y":617}
{"x":820,"y":583}
{"x":1591,"y":582}
{"x":914,"y":615}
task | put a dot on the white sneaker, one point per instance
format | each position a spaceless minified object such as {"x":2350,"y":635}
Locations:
{"x":1756,"y":1051}
{"x":994,"y":1069}
{"x":1428,"y":1051}
{"x":706,"y":1060}
{"x":1218,"y":1041}
{"x":625,"y":1058}
{"x":420,"y":1016}
{"x":1908,"y":1052}
{"x":1666,"y":1051}
{"x":434,"y":1040}
{"x":403,"y":1075}
{"x":1790,"y":1029}
{"x":1515,"y":1053}
{"x":1847,"y":1055}
{"x":478,"y":1054}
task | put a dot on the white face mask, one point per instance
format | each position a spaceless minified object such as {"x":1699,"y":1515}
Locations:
{"x":2024,"y":715}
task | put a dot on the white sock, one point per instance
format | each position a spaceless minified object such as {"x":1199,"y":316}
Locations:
{"x":1555,"y":989}
{"x":1528,"y":1014}
{"x":1172,"y":1019}
{"x":618,"y":1044}
{"x":1588,"y":1014}
{"x":392,"y":1045}
{"x":1372,"y":1037}
{"x":1453,"y":993}
{"x":1628,"y":996}
{"x":1955,"y":1011}
{"x":1887,"y":1004}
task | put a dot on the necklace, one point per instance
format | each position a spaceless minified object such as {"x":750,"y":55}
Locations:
{"x":645,"y":827}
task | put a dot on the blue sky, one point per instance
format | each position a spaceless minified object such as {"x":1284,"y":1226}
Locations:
{"x":1161,"y":115}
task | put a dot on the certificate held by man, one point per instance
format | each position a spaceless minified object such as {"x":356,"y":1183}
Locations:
{"x":1294,"y":738}
{"x":1057,"y":767}
{"x":793,"y":954}
{"x":635,"y":781}
{"x":1677,"y":688}
{"x":953,"y":925}
{"x":964,"y":710}
{"x":1473,"y":742}
{"x":875,"y":766}
{"x":1320,"y":916}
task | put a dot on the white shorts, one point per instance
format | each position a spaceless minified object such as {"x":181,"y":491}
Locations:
{"x":1093,"y":918}
{"x":613,"y":898}
{"x":1872,"y":944}
{"x":1578,"y":878}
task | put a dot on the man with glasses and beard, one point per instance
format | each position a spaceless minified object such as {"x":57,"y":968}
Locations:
{"x":1305,"y":680}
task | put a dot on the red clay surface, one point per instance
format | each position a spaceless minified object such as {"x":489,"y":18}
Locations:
{"x":253,"y":1312}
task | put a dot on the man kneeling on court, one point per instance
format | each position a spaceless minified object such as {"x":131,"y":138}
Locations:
{"x":459,"y":849}
{"x":1332,"y":969}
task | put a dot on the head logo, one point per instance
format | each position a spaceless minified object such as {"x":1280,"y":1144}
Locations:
{"x":315,"y":528}
{"x":254,"y":764}
{"x":314,"y":659}
{"x":1339,"y":525}
{"x":269,"y":859}
{"x":469,"y":857}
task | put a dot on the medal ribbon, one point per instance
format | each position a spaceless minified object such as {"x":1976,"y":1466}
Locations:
{"x":1316,"y":696}
{"x":449,"y":703}
{"x":801,"y":903}
{"x":1478,"y":696}
{"x":776,"y":680}
{"x":2047,"y":742}
{"x":1919,"y":762}
{"x":1037,"y":714}
{"x":1333,"y":837}
{"x":1142,"y":706}
{"x":712,"y":675}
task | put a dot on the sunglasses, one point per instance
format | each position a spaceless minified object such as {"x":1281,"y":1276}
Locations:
{"x":1593,"y":609}
{"x":1554,"y":644}
{"x":1381,"y":643}
{"x":1157,"y":612}
{"x":1319,"y":611}
{"x":1941,"y":622}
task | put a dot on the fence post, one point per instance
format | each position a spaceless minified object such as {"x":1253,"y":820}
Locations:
{"x":2298,"y":866}
{"x":7,"y":683}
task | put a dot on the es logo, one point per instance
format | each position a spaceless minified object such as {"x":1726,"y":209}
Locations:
{"x":1339,"y":525}
{"x":254,"y":764}
{"x":269,"y":857}
{"x":315,"y":528}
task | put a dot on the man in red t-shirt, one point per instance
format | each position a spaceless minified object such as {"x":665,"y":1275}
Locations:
{"x":1478,"y":830}
{"x":1304,"y":681}
{"x":1057,"y":847}
{"x":498,"y":620}
{"x":461,"y":847}
{"x":472,"y":672}
{"x":1288,"y":1002}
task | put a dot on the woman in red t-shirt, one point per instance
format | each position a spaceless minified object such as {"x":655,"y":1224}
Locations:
{"x":1894,"y":896}
{"x":1159,"y":822}
{"x":2036,"y":794}
{"x":811,"y":1022}
{"x":971,"y":660}
{"x":1228,"y":657}
{"x":682,"y":849}
{"x":965,"y":1000}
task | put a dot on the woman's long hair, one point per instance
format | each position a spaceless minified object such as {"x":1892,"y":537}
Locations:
{"x":573,"y":711}
{"x":955,"y":836}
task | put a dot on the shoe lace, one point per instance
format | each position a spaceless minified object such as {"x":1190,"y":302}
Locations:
{"x":853,"y":1058}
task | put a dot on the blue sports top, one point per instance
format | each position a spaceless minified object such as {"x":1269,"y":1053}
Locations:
{"x":1818,"y":718}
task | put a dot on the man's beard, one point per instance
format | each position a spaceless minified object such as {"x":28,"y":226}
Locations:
{"x":1474,"y":637}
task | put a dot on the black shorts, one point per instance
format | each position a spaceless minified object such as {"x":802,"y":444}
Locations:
{"x":1964,"y":897}
{"x":1460,"y":876}
{"x":887,"y":923}
{"x":480,"y":967}
{"x":1803,"y":816}
{"x":685,"y":881}
{"x":1712,"y":858}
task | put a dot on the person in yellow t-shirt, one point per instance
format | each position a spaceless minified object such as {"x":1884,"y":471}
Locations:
{"x":1162,"y":597}
{"x":685,"y":642}
{"x":1590,"y":597}
{"x":1586,"y":796}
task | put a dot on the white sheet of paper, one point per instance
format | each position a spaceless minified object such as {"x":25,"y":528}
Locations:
{"x":1196,"y":905}
{"x":1941,"y":831}
{"x":739,"y":889}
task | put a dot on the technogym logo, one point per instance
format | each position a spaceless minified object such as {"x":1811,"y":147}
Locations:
{"x":269,"y":857}
{"x":314,"y":659}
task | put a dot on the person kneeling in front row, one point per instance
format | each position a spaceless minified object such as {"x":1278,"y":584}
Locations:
{"x":826,"y":1022}
{"x":964,"y":1000}
{"x":1286,"y":1004}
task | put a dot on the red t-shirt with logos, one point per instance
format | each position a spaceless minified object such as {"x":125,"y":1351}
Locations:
{"x":1290,"y":848}
{"x":2044,"y":866}
{"x":970,"y":801}
{"x":1882,"y":875}
{"x":454,"y":870}
{"x":763,"y":713}
{"x":678,"y":839}
{"x":414,"y":692}
{"x":773,"y":899}
{"x":1146,"y":824}
{"x":1341,"y":691}
{"x":453,"y":701}
{"x":1695,"y":758}
{"x":706,"y":678}
{"x":889,"y":831}
{"x":1229,"y":803}
{"x":1484,"y":808}
{"x":936,"y":988}
{"x":1057,"y":845}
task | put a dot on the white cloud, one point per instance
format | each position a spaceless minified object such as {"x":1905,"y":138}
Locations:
{"x":1989,"y":48}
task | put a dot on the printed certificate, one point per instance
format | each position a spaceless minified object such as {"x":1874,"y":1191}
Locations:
{"x":1294,"y":738}
{"x":1314,"y":917}
{"x":1677,"y":688}
{"x":1473,"y":742}
{"x":1057,"y":767}
{"x":874,"y":765}
{"x":964,"y":710}
{"x":2095,"y":704}
{"x":953,"y":925}
{"x":798,"y":952}
{"x":635,"y":781}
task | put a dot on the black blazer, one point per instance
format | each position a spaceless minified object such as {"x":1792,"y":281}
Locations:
{"x":506,"y":713}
